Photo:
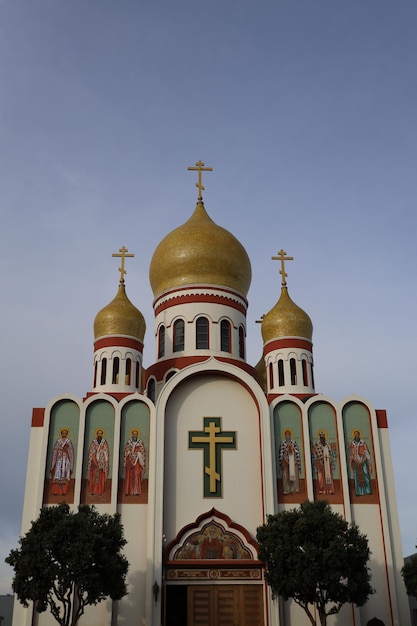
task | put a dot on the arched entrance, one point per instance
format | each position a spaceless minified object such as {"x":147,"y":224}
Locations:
{"x":213,"y":576}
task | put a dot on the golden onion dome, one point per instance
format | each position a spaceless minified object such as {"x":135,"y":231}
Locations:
{"x":200,"y":252}
{"x":120,"y":317}
{"x":286,"y":319}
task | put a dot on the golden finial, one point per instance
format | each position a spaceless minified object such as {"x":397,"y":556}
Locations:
{"x":281,"y":257}
{"x":200,"y":168}
{"x":123,"y":255}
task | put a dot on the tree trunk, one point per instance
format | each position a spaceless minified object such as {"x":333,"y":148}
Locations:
{"x":310,"y":615}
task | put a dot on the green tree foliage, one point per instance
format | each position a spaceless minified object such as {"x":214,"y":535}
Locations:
{"x":409,"y":574}
{"x":69,"y":560}
{"x":315,"y":557}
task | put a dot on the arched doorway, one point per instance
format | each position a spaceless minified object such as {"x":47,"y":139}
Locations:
{"x":213,"y":576}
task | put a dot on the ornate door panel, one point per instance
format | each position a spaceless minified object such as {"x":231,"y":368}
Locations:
{"x":252,"y":605}
{"x":225,"y":605}
{"x":200,"y":606}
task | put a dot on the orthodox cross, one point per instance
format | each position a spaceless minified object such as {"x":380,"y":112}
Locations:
{"x":212,"y":440}
{"x":123,"y":254}
{"x":200,"y":168}
{"x":281,"y":257}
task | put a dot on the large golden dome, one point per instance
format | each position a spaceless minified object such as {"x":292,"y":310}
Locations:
{"x":200,"y":252}
{"x":286,"y":319}
{"x":120,"y":317}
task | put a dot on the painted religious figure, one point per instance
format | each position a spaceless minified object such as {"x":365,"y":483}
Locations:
{"x":290,"y":463}
{"x":213,"y":543}
{"x":324,"y":462}
{"x":62,"y":465}
{"x":98,"y":463}
{"x":134,"y":464}
{"x":360,"y":464}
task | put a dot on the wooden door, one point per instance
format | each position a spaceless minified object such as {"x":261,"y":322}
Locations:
{"x":225,"y":605}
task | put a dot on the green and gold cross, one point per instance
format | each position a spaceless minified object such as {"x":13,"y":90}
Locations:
{"x":212,"y":440}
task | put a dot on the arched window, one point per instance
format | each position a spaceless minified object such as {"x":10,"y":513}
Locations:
{"x":293,"y":371}
{"x":95,"y":374}
{"x":202,"y":333}
{"x":241,"y":342}
{"x":137,"y":374}
{"x":271,"y":376}
{"x":161,"y":342}
{"x":128,"y":371}
{"x":151,"y":389}
{"x":305,"y":374}
{"x":312,"y":375}
{"x":225,"y":336}
{"x":116,"y":366}
{"x":169,"y":375}
{"x":281,"y":373}
{"x":178,"y":335}
{"x":103,"y":372}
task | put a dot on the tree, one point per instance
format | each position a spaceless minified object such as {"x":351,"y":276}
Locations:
{"x":315,"y":557}
{"x":69,"y":560}
{"x":409,"y":574}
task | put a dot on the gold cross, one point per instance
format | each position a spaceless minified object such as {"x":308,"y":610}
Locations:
{"x":200,"y":168}
{"x":281,"y":257}
{"x":123,"y":254}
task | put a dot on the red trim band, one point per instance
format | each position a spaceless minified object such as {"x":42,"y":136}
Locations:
{"x":116,"y":341}
{"x":381,"y":418}
{"x":38,"y":416}
{"x":159,"y":369}
{"x":192,"y":298}
{"x":295,"y":342}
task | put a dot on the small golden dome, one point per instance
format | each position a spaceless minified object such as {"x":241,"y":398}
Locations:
{"x":286,"y":319}
{"x":200,"y":252}
{"x":120,"y":317}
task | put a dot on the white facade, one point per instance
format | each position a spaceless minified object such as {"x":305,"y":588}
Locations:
{"x":213,"y":439}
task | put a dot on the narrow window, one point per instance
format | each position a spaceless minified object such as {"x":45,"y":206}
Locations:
{"x":271,"y":376}
{"x":151,"y":389}
{"x":293,"y":372}
{"x":179,"y":336}
{"x":137,"y":375}
{"x":103,"y":372}
{"x":312,"y":375}
{"x":116,"y":366}
{"x":225,"y":336}
{"x":281,"y":373}
{"x":241,"y":342}
{"x":161,"y":342}
{"x":169,"y":375}
{"x":95,"y":374}
{"x":201,"y":334}
{"x":128,"y":371}
{"x":305,"y":374}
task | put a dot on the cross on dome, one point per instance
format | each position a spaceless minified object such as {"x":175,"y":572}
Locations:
{"x":200,"y":168}
{"x":123,"y":254}
{"x":281,"y":257}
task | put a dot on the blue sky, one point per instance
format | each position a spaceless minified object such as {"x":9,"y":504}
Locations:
{"x":306,"y":110}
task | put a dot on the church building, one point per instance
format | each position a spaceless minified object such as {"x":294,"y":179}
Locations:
{"x":195,"y":450}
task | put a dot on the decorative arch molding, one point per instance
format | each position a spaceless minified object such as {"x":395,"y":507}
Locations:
{"x":208,"y":316}
{"x":213,"y":536}
{"x":193,"y":570}
{"x":233,"y":554}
